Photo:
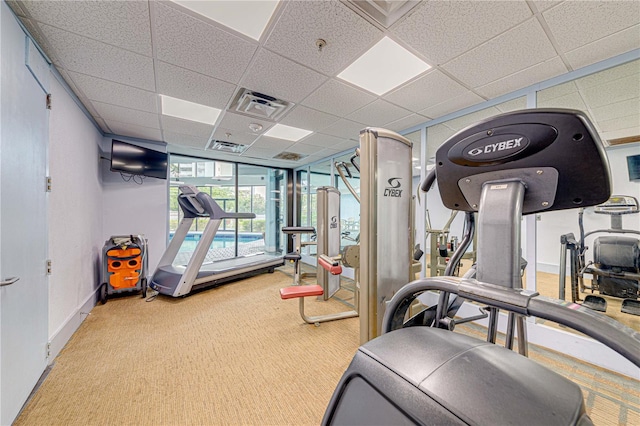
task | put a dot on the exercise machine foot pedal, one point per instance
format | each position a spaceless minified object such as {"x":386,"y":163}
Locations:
{"x":596,"y":303}
{"x":631,"y":306}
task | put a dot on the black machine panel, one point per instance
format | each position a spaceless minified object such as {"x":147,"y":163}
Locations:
{"x":450,"y":378}
{"x":560,"y":139}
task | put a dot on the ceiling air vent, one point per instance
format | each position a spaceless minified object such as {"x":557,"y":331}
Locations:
{"x":289,"y":156}
{"x":259,"y":105}
{"x":223,"y":146}
{"x":384,"y":12}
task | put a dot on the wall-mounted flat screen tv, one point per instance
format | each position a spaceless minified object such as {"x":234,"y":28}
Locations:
{"x":136,"y":160}
{"x":633,"y":164}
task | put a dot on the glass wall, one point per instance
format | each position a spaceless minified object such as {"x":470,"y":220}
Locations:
{"x":611,"y":100}
{"x":609,"y":93}
{"x":349,"y":204}
{"x":236,"y":188}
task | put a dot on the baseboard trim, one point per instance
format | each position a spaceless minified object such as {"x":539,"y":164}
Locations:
{"x":60,"y":338}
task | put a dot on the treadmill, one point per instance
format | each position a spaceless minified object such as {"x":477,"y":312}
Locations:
{"x":180,"y":280}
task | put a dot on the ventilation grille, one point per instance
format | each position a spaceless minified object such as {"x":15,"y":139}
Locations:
{"x":289,"y":156}
{"x":223,"y":146}
{"x":259,"y":105}
{"x":384,"y":12}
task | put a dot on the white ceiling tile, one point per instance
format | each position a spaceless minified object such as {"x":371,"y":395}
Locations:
{"x":556,"y":91}
{"x":455,"y":103}
{"x":621,"y":123}
{"x":615,"y":110}
{"x":513,"y":51}
{"x":189,"y":42}
{"x":240,"y":123}
{"x":321,"y":140}
{"x":431,"y":89}
{"x":328,"y":152}
{"x":624,"y":133}
{"x":17,"y":7}
{"x":276,"y":145}
{"x":472,"y":118}
{"x":282,"y":78}
{"x":345,"y":144}
{"x":607,"y":76}
{"x":191,"y":86}
{"x":185,"y":140}
{"x":612,"y":92}
{"x":101,"y":60}
{"x":344,"y":129}
{"x":303,"y":22}
{"x":378,"y":113}
{"x":127,"y":115}
{"x":186,"y":127}
{"x":607,"y":47}
{"x":513,"y":105}
{"x":443,"y":30}
{"x":123,"y":24}
{"x":301,"y":148}
{"x":406,"y":122}
{"x":543,"y":5}
{"x":571,"y":101}
{"x":598,"y":19}
{"x":103,"y":125}
{"x":109,"y":92}
{"x":133,"y":131}
{"x":337,"y":98}
{"x":91,"y":109}
{"x":307,"y":118}
{"x":243,"y":138}
{"x":532,"y":75}
{"x":256,"y":152}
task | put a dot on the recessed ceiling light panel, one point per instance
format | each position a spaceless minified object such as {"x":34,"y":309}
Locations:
{"x":247,"y":17}
{"x":288,"y":133}
{"x":385,"y":66}
{"x":186,"y":110}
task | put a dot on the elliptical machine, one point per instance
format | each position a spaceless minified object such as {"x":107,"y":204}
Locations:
{"x":502,"y":168}
{"x":616,"y":259}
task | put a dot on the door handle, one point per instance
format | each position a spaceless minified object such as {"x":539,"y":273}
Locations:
{"x":9,"y":281}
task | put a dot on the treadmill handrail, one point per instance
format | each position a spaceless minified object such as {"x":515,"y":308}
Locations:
{"x":609,"y":332}
{"x":229,"y":215}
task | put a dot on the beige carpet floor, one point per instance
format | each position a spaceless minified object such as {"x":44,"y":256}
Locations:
{"x":233,"y":355}
{"x":237,"y":354}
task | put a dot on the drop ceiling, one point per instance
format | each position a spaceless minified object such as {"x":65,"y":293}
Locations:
{"x":119,"y":56}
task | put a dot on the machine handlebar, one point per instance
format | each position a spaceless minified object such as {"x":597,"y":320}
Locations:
{"x":428,"y":181}
{"x":611,"y":333}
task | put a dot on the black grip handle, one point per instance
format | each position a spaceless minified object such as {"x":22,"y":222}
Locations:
{"x":428,"y":181}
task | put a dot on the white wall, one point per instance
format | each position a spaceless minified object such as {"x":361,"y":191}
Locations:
{"x":129,"y":208}
{"x":74,"y":214}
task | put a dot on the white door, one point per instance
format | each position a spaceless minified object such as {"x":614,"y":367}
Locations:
{"x":23,"y":232}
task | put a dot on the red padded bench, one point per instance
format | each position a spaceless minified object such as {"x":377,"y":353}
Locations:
{"x":295,"y":291}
